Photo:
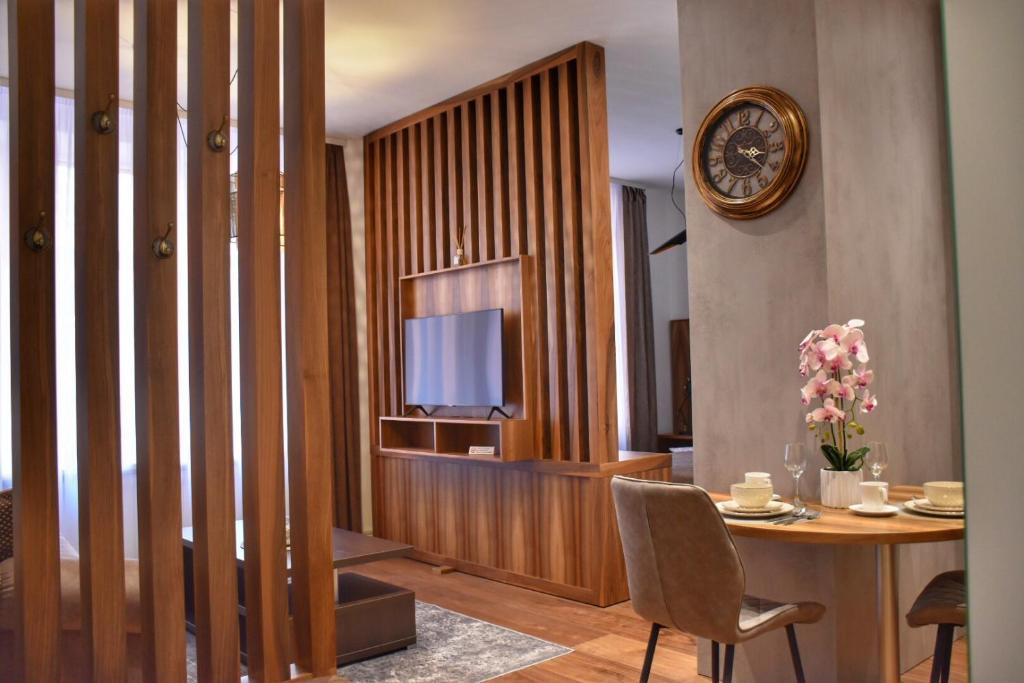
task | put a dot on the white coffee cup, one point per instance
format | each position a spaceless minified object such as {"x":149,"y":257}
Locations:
{"x":751,"y":495}
{"x":762,"y":478}
{"x":874,"y":495}
{"x":948,"y":494}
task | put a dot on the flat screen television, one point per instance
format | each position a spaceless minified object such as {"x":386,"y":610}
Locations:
{"x":455,"y":360}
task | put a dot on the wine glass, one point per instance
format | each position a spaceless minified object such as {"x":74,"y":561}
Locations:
{"x":796,"y":463}
{"x":876,"y":459}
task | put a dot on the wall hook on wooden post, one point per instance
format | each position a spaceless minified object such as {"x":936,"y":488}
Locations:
{"x":35,"y":238}
{"x":216,"y":140}
{"x":163,"y":247}
{"x":102,"y":121}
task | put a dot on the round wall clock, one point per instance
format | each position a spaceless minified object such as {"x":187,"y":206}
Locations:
{"x":750,"y":152}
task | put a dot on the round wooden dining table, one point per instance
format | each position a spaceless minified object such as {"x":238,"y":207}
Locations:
{"x":843,"y":527}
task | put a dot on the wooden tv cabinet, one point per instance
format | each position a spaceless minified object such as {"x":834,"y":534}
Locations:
{"x":452,"y":437}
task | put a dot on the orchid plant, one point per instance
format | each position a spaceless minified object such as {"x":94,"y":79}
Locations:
{"x":838,"y":389}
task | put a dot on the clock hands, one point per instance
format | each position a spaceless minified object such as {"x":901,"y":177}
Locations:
{"x":751,"y":154}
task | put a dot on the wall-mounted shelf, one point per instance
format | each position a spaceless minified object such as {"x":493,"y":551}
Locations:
{"x":452,"y":437}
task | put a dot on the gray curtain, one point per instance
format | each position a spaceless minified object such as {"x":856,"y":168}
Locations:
{"x":639,"y":332}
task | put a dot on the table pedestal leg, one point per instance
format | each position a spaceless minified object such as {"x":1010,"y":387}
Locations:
{"x":889,"y":614}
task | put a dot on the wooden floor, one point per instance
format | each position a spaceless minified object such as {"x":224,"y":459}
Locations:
{"x":609,"y":643}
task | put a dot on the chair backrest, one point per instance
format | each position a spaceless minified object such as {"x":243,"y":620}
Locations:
{"x":682,"y":566}
{"x":6,"y":524}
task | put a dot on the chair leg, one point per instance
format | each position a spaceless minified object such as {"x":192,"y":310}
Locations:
{"x":730,"y":650}
{"x":794,"y":652}
{"x":942,"y":658}
{"x":714,"y":661}
{"x":652,"y":642}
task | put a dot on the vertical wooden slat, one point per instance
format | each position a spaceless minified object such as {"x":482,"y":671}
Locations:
{"x":33,"y":372}
{"x":392,"y":248}
{"x":309,"y":464}
{"x":516,"y":202}
{"x":442,"y":225}
{"x":554,"y":265}
{"x":592,"y":113}
{"x":402,"y":200}
{"x":259,"y":335}
{"x":429,"y":197}
{"x":499,"y":170}
{"x":454,"y":178}
{"x":469,"y":180}
{"x":209,"y":303}
{"x":575,"y":353}
{"x":156,"y":348}
{"x":484,"y":180}
{"x":415,"y":200}
{"x":100,"y":520}
{"x":535,"y":222}
{"x":374,"y":383}
{"x":383,"y":287}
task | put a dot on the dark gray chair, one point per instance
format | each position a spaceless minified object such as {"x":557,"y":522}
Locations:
{"x":943,"y":602}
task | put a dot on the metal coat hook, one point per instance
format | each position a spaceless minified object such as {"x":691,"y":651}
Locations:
{"x":216,"y":140}
{"x":102,"y":121}
{"x":35,"y":238}
{"x":163,"y":247}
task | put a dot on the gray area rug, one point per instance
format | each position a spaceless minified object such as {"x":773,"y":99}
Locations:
{"x":450,"y":648}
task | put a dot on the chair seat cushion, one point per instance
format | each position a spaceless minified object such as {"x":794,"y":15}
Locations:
{"x":943,"y":601}
{"x":71,"y":595}
{"x":758,"y":615}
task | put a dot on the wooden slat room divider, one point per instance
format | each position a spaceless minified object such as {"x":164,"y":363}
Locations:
{"x":39,"y":653}
{"x":259,"y":319}
{"x":520,"y":163}
{"x":308,"y":384}
{"x":156,"y":342}
{"x":209,"y":294}
{"x":33,"y":406}
{"x":101,"y":528}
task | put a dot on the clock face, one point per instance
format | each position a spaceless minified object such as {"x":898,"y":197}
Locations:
{"x":744,"y":150}
{"x":750,"y":152}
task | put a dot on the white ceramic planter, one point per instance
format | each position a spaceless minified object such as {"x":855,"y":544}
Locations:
{"x":840,"y":489}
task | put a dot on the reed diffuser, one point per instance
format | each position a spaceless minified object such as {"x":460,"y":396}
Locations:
{"x":460,"y":250}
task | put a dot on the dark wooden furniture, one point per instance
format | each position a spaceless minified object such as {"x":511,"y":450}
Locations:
{"x":371,"y":617}
{"x":682,"y":386}
{"x":669,"y":441}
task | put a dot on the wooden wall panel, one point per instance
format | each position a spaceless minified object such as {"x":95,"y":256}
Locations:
{"x":101,"y":534}
{"x":521,"y":162}
{"x":309,"y":424}
{"x":156,"y":349}
{"x":259,"y":319}
{"x":33,"y":380}
{"x":209,"y":294}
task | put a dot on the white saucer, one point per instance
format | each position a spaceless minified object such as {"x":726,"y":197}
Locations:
{"x":925,"y":504}
{"x":773,"y":509}
{"x":884,"y":511}
{"x":912,"y":506}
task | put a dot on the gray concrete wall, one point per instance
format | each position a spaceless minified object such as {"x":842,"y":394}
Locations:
{"x":865,"y":234}
{"x":984,"y":56}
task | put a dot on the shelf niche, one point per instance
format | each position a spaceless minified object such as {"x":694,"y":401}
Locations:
{"x":508,"y":284}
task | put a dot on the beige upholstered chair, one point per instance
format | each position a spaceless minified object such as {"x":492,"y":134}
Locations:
{"x":943,"y":602}
{"x":684,"y":572}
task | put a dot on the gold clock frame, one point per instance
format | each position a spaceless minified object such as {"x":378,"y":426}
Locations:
{"x":794,"y":129}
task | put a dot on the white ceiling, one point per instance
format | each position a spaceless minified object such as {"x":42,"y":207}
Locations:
{"x":388,"y":58}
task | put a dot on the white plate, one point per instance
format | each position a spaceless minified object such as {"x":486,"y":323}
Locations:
{"x":924,"y":504}
{"x":884,"y":511}
{"x":774,"y":509}
{"x":914,"y":507}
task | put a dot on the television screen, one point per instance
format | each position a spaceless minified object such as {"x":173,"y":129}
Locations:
{"x":455,"y":360}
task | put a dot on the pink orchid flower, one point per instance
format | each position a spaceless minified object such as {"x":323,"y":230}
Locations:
{"x":859,"y":378}
{"x":816,"y":388}
{"x":841,"y":390}
{"x":853,"y":344}
{"x":808,"y":339}
{"x":855,"y":322}
{"x":827,"y":413}
{"x":835,"y":332}
{"x":868,"y":402}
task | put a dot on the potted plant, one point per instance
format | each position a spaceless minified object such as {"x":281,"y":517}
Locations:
{"x":835,"y":362}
